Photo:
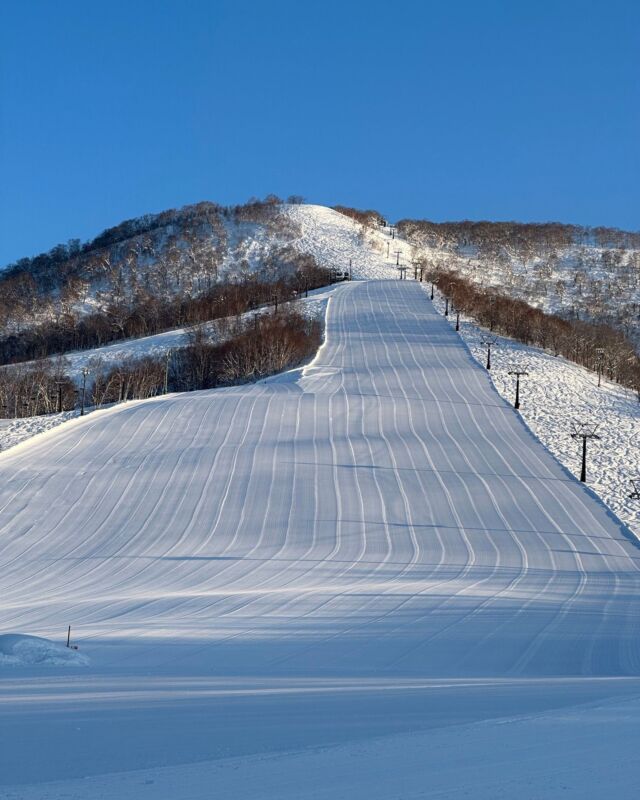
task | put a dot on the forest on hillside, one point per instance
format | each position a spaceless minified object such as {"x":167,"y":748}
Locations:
{"x":155,"y":258}
{"x":589,"y":274}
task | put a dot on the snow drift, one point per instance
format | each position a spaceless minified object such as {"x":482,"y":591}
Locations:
{"x":19,"y":650}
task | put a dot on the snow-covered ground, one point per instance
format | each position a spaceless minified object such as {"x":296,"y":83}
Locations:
{"x":15,"y":431}
{"x":364,"y":579}
{"x":556,"y":393}
{"x":332,"y":238}
{"x":336,"y":241}
{"x":18,"y":650}
{"x":368,"y":580}
{"x":539,"y":756}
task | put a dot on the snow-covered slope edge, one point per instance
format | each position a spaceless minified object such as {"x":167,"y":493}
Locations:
{"x":17,"y":431}
{"x":556,"y":393}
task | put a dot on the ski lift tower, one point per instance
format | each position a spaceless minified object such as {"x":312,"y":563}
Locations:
{"x":584,"y":431}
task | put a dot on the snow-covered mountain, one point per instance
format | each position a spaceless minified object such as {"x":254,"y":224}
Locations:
{"x":590,"y":273}
{"x":558,"y":392}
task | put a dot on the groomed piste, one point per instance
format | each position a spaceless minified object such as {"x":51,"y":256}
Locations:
{"x":367,"y":547}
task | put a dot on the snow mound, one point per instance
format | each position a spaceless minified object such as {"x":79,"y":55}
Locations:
{"x":18,"y":650}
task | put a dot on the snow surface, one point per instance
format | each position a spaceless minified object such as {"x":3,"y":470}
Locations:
{"x":546,"y":755}
{"x":362,"y":579}
{"x":15,"y":431}
{"x":335,"y":240}
{"x":18,"y":650}
{"x":332,"y":238}
{"x":368,"y":580}
{"x":553,"y":395}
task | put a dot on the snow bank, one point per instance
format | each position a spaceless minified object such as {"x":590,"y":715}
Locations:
{"x":15,"y":431}
{"x":19,"y":650}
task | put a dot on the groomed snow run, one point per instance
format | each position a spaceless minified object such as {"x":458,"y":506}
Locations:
{"x":297,"y":582}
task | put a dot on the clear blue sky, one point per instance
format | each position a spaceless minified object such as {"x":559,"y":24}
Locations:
{"x":482,"y":109}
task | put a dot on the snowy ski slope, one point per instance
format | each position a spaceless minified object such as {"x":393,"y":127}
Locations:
{"x":386,"y":507}
{"x":378,"y":521}
{"x":557,"y":391}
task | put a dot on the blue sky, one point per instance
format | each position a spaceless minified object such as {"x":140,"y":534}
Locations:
{"x":440,"y":110}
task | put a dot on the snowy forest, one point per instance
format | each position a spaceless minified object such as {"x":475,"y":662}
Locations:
{"x":577,"y":272}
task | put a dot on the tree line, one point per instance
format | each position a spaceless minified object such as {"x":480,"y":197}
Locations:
{"x":188,"y":216}
{"x":266,"y":345}
{"x":521,"y":236}
{"x":146,"y":315}
{"x":593,"y":273}
{"x":368,"y":219}
{"x":594,"y":346}
{"x":173,"y":253}
{"x":30,"y":390}
{"x":256,"y":348}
